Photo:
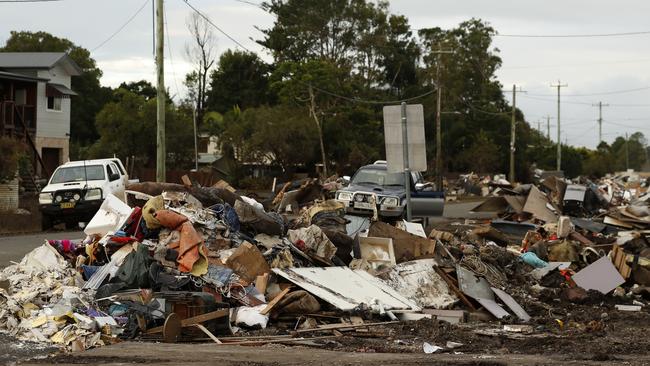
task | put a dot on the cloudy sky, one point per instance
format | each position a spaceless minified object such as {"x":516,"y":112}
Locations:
{"x":613,"y":70}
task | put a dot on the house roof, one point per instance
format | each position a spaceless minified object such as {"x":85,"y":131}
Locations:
{"x":38,"y":60}
{"x":19,"y":77}
{"x":61,"y":89}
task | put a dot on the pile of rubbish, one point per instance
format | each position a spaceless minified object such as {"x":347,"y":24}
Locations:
{"x":176,"y":262}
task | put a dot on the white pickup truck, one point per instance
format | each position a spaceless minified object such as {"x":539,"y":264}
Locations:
{"x":77,"y":189}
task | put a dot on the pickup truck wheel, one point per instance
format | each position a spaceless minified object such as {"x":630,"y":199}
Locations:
{"x":46,"y":222}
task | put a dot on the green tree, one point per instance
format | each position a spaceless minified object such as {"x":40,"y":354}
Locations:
{"x":481,"y":156}
{"x":240,"y":79}
{"x":91,"y":95}
{"x":127,"y":127}
{"x":630,"y":152}
{"x":142,"y":88}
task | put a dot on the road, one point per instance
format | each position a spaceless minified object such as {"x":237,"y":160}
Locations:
{"x":13,"y":248}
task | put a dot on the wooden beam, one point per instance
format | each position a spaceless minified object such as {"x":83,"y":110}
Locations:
{"x":208,"y":333}
{"x":329,"y":327}
{"x":453,"y":287}
{"x":195,"y":320}
{"x":274,"y":302}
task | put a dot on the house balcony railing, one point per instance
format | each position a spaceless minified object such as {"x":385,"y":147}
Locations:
{"x":15,"y":118}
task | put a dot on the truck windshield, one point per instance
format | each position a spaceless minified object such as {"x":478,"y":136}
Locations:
{"x":378,"y":177}
{"x":77,"y":174}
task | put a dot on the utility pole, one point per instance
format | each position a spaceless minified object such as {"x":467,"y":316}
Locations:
{"x":600,"y":106}
{"x":627,"y":152}
{"x":161,"y":98}
{"x":196,"y":143}
{"x":513,"y":129}
{"x":438,"y":124}
{"x":548,"y":128}
{"x":405,"y":153}
{"x":559,"y":141}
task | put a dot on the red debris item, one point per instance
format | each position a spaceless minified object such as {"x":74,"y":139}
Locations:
{"x":300,"y":245}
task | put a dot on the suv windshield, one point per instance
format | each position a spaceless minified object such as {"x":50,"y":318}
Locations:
{"x":378,"y":177}
{"x":77,"y":174}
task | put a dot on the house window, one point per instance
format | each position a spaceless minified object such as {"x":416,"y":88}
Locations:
{"x":53,"y":103}
{"x":203,"y":144}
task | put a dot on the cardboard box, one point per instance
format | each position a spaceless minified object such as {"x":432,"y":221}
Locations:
{"x":377,"y":251}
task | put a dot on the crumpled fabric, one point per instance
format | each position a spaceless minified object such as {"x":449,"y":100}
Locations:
{"x":316,"y":242}
{"x":192,"y":253}
{"x":149,"y":211}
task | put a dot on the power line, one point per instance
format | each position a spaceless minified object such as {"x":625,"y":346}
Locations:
{"x":599,"y":93}
{"x":121,"y":27}
{"x":28,"y":1}
{"x":575,"y":65}
{"x":471,"y":106}
{"x":257,"y":5}
{"x":365,"y":101}
{"x":622,"y":34}
{"x":555,"y":101}
{"x":215,"y":26}
{"x":171,"y":59}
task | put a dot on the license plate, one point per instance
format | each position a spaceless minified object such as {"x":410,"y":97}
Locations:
{"x":67,"y":204}
{"x":363,"y":205}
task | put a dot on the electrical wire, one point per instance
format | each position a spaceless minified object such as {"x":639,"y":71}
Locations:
{"x":216,"y":27}
{"x":471,"y":106}
{"x":622,"y":34}
{"x":28,"y":1}
{"x":121,"y":27}
{"x":171,"y":58}
{"x":365,"y":101}
{"x":555,"y":100}
{"x":623,"y":91}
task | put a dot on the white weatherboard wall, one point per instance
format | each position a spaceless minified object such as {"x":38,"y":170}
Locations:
{"x":53,"y":123}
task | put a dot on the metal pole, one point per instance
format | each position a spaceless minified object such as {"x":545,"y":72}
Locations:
{"x":196,"y":143}
{"x":161,"y":98}
{"x":548,"y":128}
{"x":512,"y":135}
{"x":407,"y":170}
{"x":438,"y":136}
{"x":627,"y":152}
{"x":559,"y":141}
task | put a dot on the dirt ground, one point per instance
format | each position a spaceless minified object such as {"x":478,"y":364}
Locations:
{"x":591,"y":334}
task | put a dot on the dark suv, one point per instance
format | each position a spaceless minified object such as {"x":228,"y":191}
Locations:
{"x":372,"y":186}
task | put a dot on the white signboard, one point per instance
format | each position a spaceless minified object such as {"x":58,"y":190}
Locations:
{"x":415,"y":132}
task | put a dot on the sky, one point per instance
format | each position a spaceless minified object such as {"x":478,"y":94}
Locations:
{"x":612,"y":70}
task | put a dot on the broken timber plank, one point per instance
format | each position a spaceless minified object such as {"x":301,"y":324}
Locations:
{"x":343,"y":326}
{"x":274,"y":302}
{"x":195,"y":320}
{"x":454,"y":288}
{"x":208,"y":333}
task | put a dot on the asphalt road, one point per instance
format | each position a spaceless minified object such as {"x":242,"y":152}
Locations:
{"x":14,"y":248}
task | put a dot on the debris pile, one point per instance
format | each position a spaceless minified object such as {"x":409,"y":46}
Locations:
{"x":179,"y":262}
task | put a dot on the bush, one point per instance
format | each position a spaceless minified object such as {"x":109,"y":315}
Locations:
{"x":11,"y":151}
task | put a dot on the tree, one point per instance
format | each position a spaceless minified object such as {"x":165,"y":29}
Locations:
{"x":142,"y":88}
{"x":130,"y":118}
{"x":482,"y":156}
{"x":629,"y":153}
{"x":240,"y":79}
{"x":91,"y":95}
{"x":282,"y":135}
{"x":201,"y":53}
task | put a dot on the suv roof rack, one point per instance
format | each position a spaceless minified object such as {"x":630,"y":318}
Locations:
{"x":380,"y":162}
